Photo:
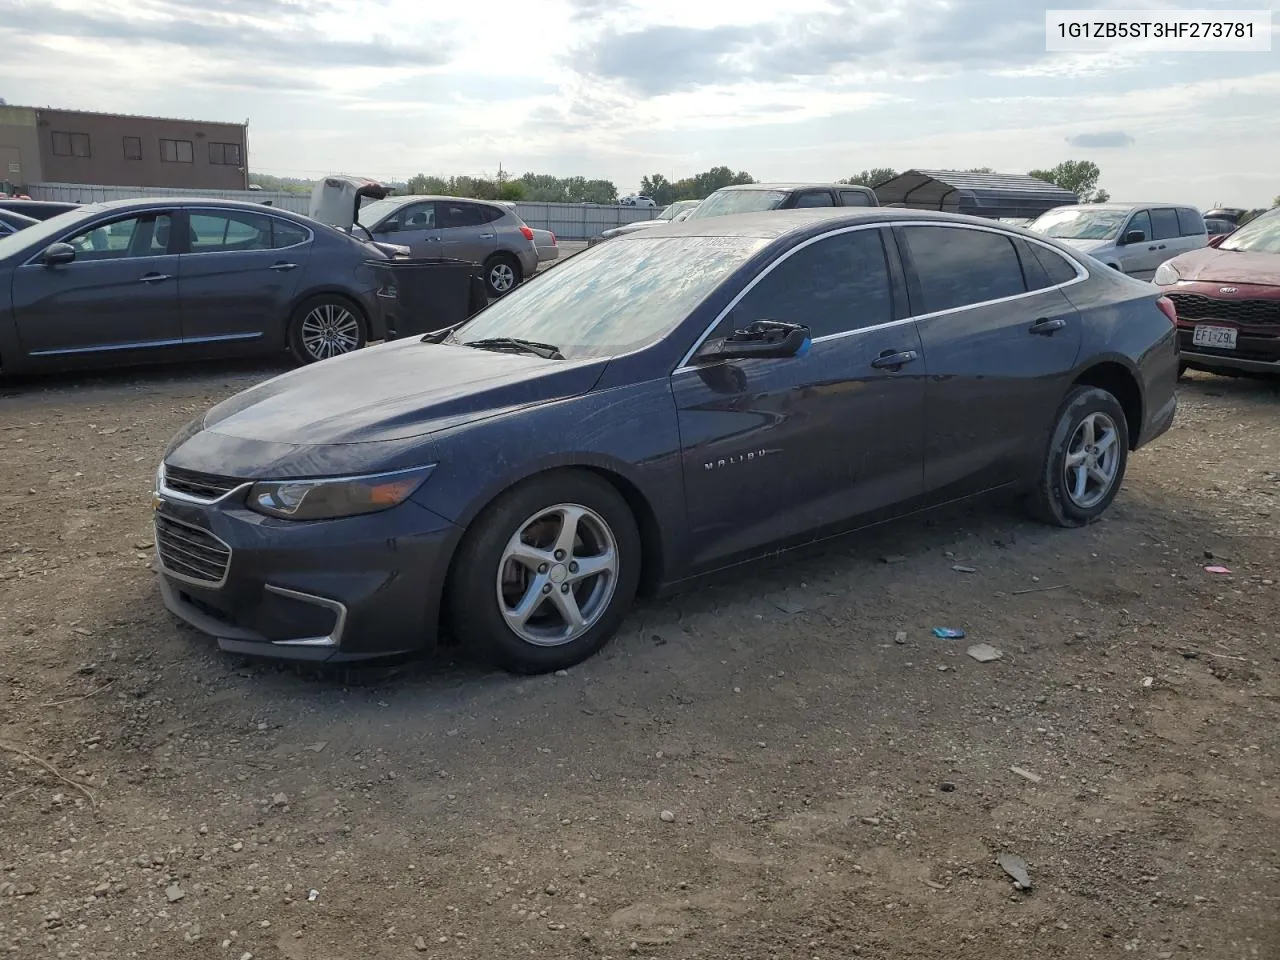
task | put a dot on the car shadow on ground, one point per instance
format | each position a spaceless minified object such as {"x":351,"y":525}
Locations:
{"x":197,"y":373}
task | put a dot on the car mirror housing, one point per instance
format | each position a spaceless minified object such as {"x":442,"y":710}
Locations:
{"x":58,"y":253}
{"x":1134,"y":236}
{"x":761,"y":339}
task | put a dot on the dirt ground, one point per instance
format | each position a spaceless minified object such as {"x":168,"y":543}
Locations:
{"x":757,"y":768}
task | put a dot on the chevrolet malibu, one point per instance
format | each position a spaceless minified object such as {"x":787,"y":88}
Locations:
{"x":654,"y":409}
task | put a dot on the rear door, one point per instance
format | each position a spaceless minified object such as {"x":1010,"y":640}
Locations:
{"x":120,"y":293}
{"x":1193,"y":233}
{"x":467,"y":230}
{"x":237,"y":275}
{"x":778,"y":448}
{"x":1000,"y":342}
{"x":1166,"y":235}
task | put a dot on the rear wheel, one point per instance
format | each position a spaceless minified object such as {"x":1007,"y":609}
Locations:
{"x":326,"y":326}
{"x":501,"y":274}
{"x":1085,"y":461}
{"x":546,"y":573}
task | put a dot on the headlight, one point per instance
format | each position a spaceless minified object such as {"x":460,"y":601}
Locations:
{"x":1165,"y":275}
{"x":335,"y":497}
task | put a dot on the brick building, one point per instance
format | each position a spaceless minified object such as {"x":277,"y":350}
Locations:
{"x":40,"y":145}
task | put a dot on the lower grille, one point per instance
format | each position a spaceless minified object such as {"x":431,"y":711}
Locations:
{"x":205,"y":486}
{"x":190,"y":552}
{"x":1246,"y":312}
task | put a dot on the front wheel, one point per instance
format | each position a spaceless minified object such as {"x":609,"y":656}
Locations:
{"x":546,"y":573}
{"x":1085,"y":461}
{"x":501,"y":274}
{"x":325,"y":326}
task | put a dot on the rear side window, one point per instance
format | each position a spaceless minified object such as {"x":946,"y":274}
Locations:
{"x":459,"y":214}
{"x":284,"y":234}
{"x":490,"y":214}
{"x":855,"y":198}
{"x":1164,"y":224}
{"x":1190,"y":223}
{"x":957,"y":267}
{"x":815,"y":198}
{"x":1055,"y":265}
{"x":838,"y":284}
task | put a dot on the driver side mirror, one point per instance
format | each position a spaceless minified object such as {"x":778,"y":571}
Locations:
{"x":1134,"y":236}
{"x":57,"y":254}
{"x":761,"y":338}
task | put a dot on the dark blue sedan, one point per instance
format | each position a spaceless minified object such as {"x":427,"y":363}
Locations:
{"x":654,"y":409}
{"x":136,"y":281}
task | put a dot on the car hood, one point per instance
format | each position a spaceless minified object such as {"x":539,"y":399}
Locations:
{"x":1210,"y":265}
{"x":397,"y":391}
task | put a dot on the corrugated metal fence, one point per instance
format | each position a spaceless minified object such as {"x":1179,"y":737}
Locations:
{"x":570,"y":221}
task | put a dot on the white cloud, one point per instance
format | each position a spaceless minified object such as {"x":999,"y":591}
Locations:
{"x":618,"y":89}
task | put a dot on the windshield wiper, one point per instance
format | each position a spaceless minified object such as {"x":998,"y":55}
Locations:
{"x":545,"y":350}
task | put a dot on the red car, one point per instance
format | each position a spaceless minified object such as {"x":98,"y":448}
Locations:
{"x":1228,"y":300}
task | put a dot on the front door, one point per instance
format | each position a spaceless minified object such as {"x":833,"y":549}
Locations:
{"x":120,"y":293}
{"x":237,"y":276}
{"x":1000,"y":342}
{"x":1140,"y":258}
{"x":775,"y":449}
{"x":412,"y":226}
{"x":466,"y":230}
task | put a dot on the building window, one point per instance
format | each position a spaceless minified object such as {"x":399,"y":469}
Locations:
{"x":133,"y":148}
{"x":225,"y":153}
{"x":70,"y":144}
{"x":177,"y":151}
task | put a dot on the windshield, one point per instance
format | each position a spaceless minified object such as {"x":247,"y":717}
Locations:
{"x":1256,"y":236}
{"x":616,"y":297}
{"x":371,"y":213}
{"x":45,"y":232}
{"x":1079,"y":224}
{"x":726,"y":202}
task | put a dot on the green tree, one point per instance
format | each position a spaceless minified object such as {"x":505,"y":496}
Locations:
{"x":1078,"y":176}
{"x":281,"y":184}
{"x":423,"y":184}
{"x":871,"y":178}
{"x":511,"y":190}
{"x":658,"y":188}
{"x":1276,"y":201}
{"x":979,"y":170}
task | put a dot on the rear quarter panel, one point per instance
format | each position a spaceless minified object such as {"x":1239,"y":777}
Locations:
{"x":342,"y":265}
{"x":1122,"y":324}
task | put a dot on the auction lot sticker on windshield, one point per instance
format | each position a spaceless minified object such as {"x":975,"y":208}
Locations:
{"x":1146,"y":31}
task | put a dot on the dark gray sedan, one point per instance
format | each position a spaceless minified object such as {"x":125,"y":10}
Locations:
{"x":149,"y":280}
{"x":661,"y":406}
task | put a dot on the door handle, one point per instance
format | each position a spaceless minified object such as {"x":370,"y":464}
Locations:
{"x":1047,"y":326}
{"x":283,"y":266}
{"x":894,"y":359}
{"x":154,"y":277}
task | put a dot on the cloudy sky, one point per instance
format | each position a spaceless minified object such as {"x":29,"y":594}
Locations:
{"x":621,"y":88}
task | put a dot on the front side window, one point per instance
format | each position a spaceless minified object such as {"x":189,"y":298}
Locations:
{"x":1164,"y":224}
{"x":835,"y":285}
{"x":614,"y":298}
{"x":958,"y":267}
{"x":1141,"y":222}
{"x":177,"y":151}
{"x":814,"y":198}
{"x":229,"y":232}
{"x":146,"y":235}
{"x":418,"y":216}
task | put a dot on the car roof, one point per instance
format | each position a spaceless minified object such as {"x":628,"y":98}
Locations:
{"x":414,"y":197}
{"x":775,"y":224}
{"x":792,"y":186}
{"x":149,"y":202}
{"x":1116,"y":205}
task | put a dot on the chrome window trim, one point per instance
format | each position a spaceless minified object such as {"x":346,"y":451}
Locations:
{"x":311,"y":234}
{"x":184,"y":578}
{"x":106,"y":221}
{"x":333,"y":638}
{"x":1082,"y":274}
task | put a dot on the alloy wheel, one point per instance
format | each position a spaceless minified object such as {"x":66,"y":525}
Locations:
{"x":329,"y":330}
{"x":1092,"y":461}
{"x":501,"y":277}
{"x":557,"y":575}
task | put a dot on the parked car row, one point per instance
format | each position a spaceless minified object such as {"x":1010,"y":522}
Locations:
{"x":661,"y":406}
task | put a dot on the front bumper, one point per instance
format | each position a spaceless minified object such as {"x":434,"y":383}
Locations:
{"x":331,"y":591}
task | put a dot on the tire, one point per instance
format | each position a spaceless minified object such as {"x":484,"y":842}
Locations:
{"x":487,"y":587}
{"x":324,"y":326}
{"x":1052,"y":500}
{"x":501,"y":274}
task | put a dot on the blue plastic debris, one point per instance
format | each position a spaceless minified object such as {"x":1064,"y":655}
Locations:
{"x":948,"y":633}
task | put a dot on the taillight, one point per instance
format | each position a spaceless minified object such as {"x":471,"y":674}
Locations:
{"x":526,"y":232}
{"x":1168,"y":309}
{"x":553,"y":238}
